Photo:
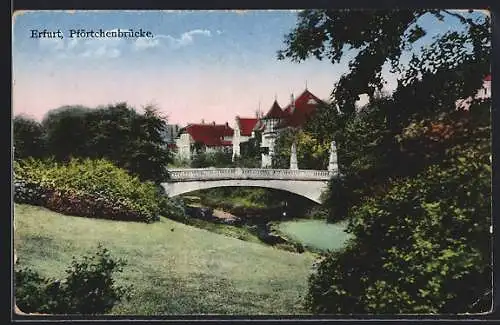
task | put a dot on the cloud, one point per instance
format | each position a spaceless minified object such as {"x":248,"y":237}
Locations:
{"x":92,"y":48}
{"x":102,"y":47}
{"x":55,"y":44}
{"x":145,"y":43}
{"x":113,"y":47}
{"x":184,"y":39}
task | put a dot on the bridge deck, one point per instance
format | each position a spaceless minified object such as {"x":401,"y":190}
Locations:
{"x":201,"y":174}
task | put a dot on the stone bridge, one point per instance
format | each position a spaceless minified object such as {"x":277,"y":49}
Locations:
{"x":307,"y":183}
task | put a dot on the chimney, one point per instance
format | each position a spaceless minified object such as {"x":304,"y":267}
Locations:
{"x":213,"y":122}
{"x":227,"y":124}
{"x":202,"y":121}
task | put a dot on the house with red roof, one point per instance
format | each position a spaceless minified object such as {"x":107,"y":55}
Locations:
{"x":294,"y":115}
{"x":203,"y":137}
{"x":209,"y":137}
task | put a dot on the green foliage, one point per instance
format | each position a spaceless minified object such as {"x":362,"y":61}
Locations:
{"x":416,"y":171}
{"x":172,"y":208}
{"x":424,"y":247}
{"x":311,"y":152}
{"x":117,"y":133}
{"x":250,"y":152}
{"x":379,"y":37}
{"x":89,"y":287}
{"x":219,"y":158}
{"x":90,"y":188}
{"x":247,"y":161}
{"x":28,"y":138}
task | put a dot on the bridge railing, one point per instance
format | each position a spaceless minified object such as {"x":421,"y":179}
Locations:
{"x":193,"y":174}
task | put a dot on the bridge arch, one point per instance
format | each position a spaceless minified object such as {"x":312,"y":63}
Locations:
{"x":307,"y":189}
{"x":306,"y":183}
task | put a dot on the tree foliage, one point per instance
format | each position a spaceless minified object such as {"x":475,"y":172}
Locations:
{"x":311,"y":152}
{"x":28,"y":138}
{"x":416,"y":171}
{"x":250,"y":155}
{"x":118,"y":133}
{"x":218,"y":158}
{"x":422,"y":247}
{"x":378,"y":37}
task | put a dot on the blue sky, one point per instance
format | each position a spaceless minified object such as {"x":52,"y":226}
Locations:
{"x":210,"y":65}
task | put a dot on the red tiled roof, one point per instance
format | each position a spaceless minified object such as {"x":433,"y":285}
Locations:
{"x":305,"y":105}
{"x":276,"y":111}
{"x":488,"y":78}
{"x":210,"y":134}
{"x":246,"y":125}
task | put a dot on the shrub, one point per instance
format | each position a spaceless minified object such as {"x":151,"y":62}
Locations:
{"x":92,"y":188}
{"x":219,"y":158}
{"x":89,"y":287}
{"x":423,"y":247}
{"x":172,"y":208}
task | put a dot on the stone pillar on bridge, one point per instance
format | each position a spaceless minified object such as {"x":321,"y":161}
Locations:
{"x":293,"y":157}
{"x":333,"y":166}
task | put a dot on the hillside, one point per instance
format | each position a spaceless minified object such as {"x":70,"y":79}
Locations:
{"x":174,"y":268}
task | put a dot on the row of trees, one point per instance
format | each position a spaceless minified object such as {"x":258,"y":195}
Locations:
{"x":417,"y":177}
{"x":118,"y":133}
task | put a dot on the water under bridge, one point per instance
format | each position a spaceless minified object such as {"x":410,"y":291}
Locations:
{"x":306,"y":183}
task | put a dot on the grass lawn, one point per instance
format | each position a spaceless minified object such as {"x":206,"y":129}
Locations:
{"x":316,"y":234}
{"x":174,"y":268}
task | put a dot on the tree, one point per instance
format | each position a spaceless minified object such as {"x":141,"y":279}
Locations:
{"x":66,"y":132}
{"x":250,"y":155}
{"x":118,"y":133}
{"x":29,"y":138}
{"x":416,"y":248}
{"x":452,"y":67}
{"x":379,"y":37}
{"x":311,"y":153}
{"x":218,"y":158}
{"x":148,"y":151}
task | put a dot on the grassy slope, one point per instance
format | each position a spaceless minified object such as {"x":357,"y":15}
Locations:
{"x":184,"y":271}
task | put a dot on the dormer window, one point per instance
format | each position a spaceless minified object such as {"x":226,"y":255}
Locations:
{"x":312,"y":101}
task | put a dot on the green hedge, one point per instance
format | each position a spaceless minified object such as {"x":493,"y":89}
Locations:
{"x":90,"y":188}
{"x":423,"y":247}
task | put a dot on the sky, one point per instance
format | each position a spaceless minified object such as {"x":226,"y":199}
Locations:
{"x":199,"y":65}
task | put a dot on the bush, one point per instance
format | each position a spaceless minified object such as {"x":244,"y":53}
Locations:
{"x":219,"y":158}
{"x":89,"y":287}
{"x":423,"y":247}
{"x":172,"y":208}
{"x":92,"y":188}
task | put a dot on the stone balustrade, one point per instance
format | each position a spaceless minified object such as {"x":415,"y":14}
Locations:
{"x":201,"y":174}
